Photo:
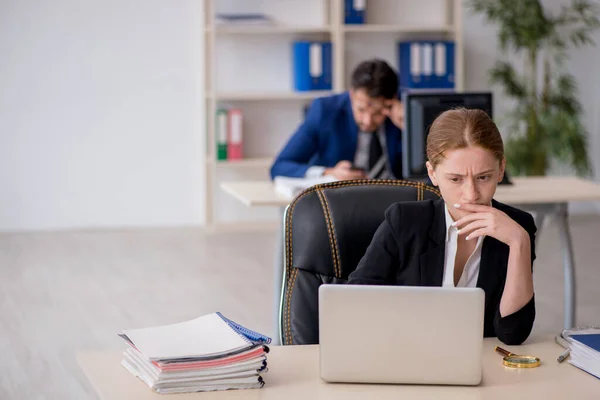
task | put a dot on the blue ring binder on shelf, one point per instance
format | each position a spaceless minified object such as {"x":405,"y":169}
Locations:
{"x":312,"y":65}
{"x":354,"y":11}
{"x":426,"y":64}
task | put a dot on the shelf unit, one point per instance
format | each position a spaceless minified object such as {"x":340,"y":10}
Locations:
{"x":244,"y":163}
{"x":267,"y":30}
{"x":268,"y":96}
{"x":384,"y":28}
{"x":343,"y":38}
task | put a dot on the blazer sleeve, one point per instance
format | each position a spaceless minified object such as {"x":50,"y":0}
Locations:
{"x":293,"y":160}
{"x":379,"y":264}
{"x":514,"y":329}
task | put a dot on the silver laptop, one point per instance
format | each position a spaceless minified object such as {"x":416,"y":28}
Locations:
{"x":400,"y":334}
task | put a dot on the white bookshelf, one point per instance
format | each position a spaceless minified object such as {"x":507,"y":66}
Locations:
{"x":244,"y":163}
{"x":269,"y":96}
{"x":249,"y":67}
{"x":374,"y":28}
{"x":267,"y":30}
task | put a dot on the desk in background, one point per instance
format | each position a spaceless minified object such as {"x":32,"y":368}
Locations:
{"x":294,"y":374}
{"x":542,"y":195}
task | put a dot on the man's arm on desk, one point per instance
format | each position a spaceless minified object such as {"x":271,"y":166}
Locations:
{"x":342,"y":171}
{"x":293,"y":160}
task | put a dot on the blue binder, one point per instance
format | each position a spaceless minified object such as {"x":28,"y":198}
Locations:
{"x":590,"y":340}
{"x":426,"y":65}
{"x":354,"y":11}
{"x":443,"y":60}
{"x":410,"y":65}
{"x":312,"y":67}
{"x":326,"y":82}
{"x":587,"y":360}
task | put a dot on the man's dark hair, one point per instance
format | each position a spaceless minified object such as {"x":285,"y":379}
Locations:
{"x":376,"y":78}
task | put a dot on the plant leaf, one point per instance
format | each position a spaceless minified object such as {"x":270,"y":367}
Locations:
{"x":503,"y":73}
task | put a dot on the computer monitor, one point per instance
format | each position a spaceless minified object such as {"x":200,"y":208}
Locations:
{"x":420,"y":110}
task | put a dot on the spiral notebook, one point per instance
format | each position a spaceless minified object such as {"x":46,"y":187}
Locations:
{"x":208,"y":337}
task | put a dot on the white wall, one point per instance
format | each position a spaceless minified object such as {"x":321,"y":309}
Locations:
{"x":101,"y":113}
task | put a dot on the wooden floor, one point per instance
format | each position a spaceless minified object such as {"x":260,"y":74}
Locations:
{"x":68,"y":291}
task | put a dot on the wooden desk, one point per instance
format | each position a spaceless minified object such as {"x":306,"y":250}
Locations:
{"x":526,"y":190}
{"x":294,"y":374}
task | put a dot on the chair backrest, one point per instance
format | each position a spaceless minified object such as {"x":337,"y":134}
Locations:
{"x":328,"y":228}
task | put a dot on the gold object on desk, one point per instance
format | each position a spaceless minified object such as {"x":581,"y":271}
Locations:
{"x":517,"y":361}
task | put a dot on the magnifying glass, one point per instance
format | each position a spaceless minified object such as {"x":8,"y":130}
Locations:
{"x":517,"y":361}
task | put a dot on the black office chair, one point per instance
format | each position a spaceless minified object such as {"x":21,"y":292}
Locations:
{"x":328,"y":228}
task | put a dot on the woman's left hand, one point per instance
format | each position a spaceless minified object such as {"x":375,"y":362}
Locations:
{"x":489,"y":221}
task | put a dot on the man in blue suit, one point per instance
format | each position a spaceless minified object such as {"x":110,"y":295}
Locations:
{"x":352,"y":135}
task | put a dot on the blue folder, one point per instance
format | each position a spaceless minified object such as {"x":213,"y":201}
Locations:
{"x":354,"y":11}
{"x":443,"y":60}
{"x":591,"y":340}
{"x":312,"y":68}
{"x":426,"y":65}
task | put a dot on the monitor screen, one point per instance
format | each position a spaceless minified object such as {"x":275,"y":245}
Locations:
{"x":421,"y":109}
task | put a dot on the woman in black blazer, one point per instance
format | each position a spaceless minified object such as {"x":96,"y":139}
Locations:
{"x":465,"y":239}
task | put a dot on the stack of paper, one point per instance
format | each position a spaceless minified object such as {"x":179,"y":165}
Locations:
{"x":291,"y":187}
{"x":585,"y":353}
{"x":204,"y":354}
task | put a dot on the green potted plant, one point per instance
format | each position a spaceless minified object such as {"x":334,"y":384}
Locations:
{"x":545,"y":123}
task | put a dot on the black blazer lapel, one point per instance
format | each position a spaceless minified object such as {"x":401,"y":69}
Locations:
{"x":432,"y":261}
{"x":494,"y":258}
{"x":494,"y":255}
{"x":484,"y":280}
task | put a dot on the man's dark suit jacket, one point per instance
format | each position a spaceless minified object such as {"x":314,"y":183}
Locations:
{"x":409,"y":249}
{"x":329,"y":135}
